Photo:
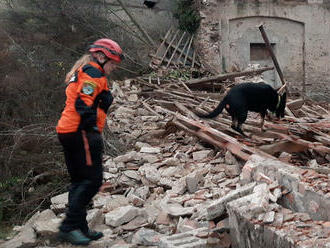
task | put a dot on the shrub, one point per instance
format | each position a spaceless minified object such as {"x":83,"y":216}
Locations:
{"x":187,"y":16}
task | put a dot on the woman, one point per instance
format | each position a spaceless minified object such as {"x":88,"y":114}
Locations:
{"x":79,"y":131}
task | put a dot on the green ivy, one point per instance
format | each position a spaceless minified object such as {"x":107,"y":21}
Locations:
{"x":187,"y":16}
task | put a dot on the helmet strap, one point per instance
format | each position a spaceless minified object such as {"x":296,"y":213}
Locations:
{"x":101,"y":64}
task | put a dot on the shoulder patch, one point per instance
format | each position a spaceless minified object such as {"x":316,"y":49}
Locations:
{"x":88,"y":88}
{"x":92,"y":71}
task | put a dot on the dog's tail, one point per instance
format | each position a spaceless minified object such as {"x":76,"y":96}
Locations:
{"x":216,"y":111}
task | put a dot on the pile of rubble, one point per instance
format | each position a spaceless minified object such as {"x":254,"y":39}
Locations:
{"x":172,"y":190}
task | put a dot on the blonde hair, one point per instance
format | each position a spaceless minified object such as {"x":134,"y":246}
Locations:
{"x":85,"y":59}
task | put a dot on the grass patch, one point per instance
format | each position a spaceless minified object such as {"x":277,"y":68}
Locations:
{"x":6,"y":231}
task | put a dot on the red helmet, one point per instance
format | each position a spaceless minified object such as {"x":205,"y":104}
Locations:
{"x":110,"y":48}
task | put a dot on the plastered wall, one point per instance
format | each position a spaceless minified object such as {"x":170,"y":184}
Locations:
{"x":298,"y":30}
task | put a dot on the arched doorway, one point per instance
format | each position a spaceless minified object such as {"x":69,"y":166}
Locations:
{"x":243,"y":44}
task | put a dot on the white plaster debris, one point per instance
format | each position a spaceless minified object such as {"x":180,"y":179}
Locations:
{"x":59,"y":202}
{"x":150,"y":150}
{"x":121,"y":215}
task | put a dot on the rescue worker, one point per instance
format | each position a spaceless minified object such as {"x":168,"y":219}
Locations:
{"x":79,"y":131}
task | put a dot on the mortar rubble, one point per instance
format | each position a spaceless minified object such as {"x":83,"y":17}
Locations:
{"x":171,"y":190}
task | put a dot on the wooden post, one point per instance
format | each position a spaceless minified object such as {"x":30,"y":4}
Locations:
{"x":271,"y":53}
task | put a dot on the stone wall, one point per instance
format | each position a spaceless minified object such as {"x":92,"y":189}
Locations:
{"x":298,"y":31}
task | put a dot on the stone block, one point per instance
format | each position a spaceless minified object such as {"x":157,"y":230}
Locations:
{"x":218,"y":207}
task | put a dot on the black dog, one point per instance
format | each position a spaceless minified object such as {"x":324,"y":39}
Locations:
{"x":244,"y":97}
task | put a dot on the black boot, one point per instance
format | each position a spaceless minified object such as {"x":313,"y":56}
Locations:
{"x":75,"y":237}
{"x":93,"y":235}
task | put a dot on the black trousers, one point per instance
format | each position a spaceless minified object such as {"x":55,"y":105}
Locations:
{"x":83,"y":156}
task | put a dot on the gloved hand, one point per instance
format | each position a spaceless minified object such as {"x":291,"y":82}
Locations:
{"x":88,"y":116}
{"x":105,"y":100}
{"x":88,"y":122}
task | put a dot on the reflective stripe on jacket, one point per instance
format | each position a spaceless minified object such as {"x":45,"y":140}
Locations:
{"x":81,"y":106}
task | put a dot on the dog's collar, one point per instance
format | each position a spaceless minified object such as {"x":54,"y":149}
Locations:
{"x":278,"y":101}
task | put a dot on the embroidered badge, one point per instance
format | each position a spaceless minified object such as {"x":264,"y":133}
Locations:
{"x":88,"y":88}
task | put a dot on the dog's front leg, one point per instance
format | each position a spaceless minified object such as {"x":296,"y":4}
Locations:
{"x":269,"y":116}
{"x":262,"y":115}
{"x":237,"y":126}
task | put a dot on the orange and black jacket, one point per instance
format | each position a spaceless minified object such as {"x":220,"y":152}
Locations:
{"x":88,"y":99}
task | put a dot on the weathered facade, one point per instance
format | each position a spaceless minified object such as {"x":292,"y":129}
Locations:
{"x":299,"y":32}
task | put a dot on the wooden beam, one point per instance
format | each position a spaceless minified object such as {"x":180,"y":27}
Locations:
{"x":217,"y":138}
{"x":222,"y":77}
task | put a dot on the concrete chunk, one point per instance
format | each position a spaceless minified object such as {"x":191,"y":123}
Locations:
{"x":269,"y":217}
{"x":303,"y":196}
{"x":150,"y":149}
{"x":192,"y":181}
{"x":201,"y":154}
{"x":94,"y":217}
{"x":178,"y":210}
{"x":121,"y":215}
{"x":217,"y":208}
{"x":47,"y":227}
{"x":147,"y":237}
{"x":59,"y":202}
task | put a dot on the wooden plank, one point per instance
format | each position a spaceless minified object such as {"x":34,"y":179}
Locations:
{"x":295,"y":104}
{"x":184,"y":47}
{"x":176,"y":48}
{"x":188,"y":49}
{"x":172,"y":40}
{"x":163,"y":42}
{"x":217,"y":138}
{"x":188,"y":57}
{"x":194,"y":57}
